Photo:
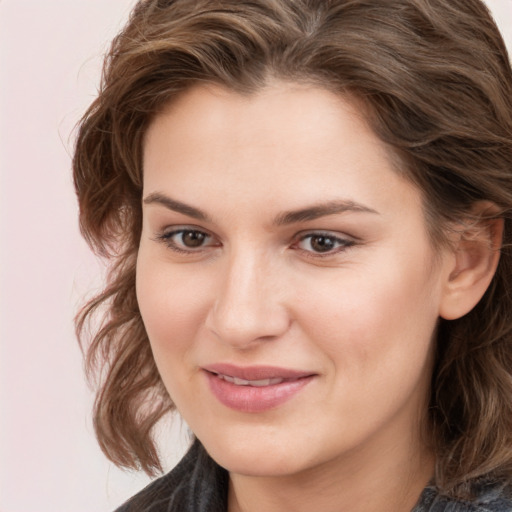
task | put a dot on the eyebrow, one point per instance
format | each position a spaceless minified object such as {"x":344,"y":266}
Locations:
{"x":288,"y":217}
{"x":321,"y":210}
{"x":177,"y":206}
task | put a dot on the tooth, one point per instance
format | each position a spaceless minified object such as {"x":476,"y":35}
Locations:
{"x":259,"y":383}
{"x":243,"y":382}
{"x":265,"y":382}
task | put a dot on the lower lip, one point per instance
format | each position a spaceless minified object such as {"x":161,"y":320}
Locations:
{"x":252,"y":398}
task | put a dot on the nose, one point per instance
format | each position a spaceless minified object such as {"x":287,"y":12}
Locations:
{"x":249,"y":304}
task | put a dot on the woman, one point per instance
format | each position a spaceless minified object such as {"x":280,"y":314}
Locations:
{"x":306,"y":208}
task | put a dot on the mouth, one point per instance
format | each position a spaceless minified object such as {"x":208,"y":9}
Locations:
{"x":257,"y":388}
{"x":256,"y":383}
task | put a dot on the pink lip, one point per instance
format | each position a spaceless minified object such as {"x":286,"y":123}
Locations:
{"x":252,"y":398}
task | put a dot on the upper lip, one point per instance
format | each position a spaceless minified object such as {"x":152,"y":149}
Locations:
{"x":256,"y":372}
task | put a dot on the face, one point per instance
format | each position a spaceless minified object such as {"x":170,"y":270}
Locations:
{"x":286,"y":279}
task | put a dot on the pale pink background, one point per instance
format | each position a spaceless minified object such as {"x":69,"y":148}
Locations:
{"x":50,"y":57}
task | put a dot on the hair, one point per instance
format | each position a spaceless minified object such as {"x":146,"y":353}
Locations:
{"x":435,"y":81}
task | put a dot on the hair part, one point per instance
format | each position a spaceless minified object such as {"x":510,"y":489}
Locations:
{"x":435,"y":82}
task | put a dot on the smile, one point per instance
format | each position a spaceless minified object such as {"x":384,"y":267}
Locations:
{"x":255,"y":389}
{"x":257,"y":383}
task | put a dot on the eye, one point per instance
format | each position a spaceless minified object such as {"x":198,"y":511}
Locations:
{"x":187,"y":240}
{"x":323,"y":243}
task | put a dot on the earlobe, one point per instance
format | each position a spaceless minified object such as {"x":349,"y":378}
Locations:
{"x":476,"y":256}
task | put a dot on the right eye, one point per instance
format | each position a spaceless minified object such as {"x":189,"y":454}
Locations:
{"x":187,"y":240}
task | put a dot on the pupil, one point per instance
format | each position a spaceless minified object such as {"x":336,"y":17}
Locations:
{"x":193,"y":238}
{"x":322,"y":243}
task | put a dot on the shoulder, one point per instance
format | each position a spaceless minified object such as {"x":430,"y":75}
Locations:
{"x":196,"y":484}
{"x":489,"y":497}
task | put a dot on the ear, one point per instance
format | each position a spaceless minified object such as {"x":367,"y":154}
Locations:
{"x":475,"y":257}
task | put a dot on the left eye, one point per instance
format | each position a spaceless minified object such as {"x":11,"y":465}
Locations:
{"x":322,"y":243}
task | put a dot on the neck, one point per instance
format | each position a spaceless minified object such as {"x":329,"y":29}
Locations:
{"x":389,"y":481}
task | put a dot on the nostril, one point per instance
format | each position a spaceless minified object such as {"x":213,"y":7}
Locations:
{"x":244,"y":330}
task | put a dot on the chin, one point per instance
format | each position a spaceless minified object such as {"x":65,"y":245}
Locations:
{"x":256,"y":465}
{"x":261,"y":456}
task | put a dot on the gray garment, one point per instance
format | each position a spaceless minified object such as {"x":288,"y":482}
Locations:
{"x":489,"y":497}
{"x":198,"y":484}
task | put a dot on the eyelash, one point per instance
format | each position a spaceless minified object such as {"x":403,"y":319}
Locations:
{"x":340,"y":244}
{"x":167,"y":238}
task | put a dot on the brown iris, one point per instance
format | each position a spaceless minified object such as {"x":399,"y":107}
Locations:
{"x":193,"y":238}
{"x":321,"y":243}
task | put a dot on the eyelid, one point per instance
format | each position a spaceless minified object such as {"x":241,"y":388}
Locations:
{"x":166,"y":235}
{"x":345,"y":242}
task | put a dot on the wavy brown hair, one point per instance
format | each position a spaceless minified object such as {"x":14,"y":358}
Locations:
{"x":436,"y":85}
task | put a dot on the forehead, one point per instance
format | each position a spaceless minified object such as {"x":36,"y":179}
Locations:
{"x":289,"y":118}
{"x":286,"y":144}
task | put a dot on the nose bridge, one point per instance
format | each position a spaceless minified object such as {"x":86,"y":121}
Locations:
{"x":247,"y":307}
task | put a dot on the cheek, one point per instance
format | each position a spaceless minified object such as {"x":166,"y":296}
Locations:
{"x":376,"y":324}
{"x":171,"y":303}
{"x":378,"y":340}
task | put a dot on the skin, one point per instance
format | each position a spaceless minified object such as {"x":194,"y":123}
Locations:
{"x":257,"y":291}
